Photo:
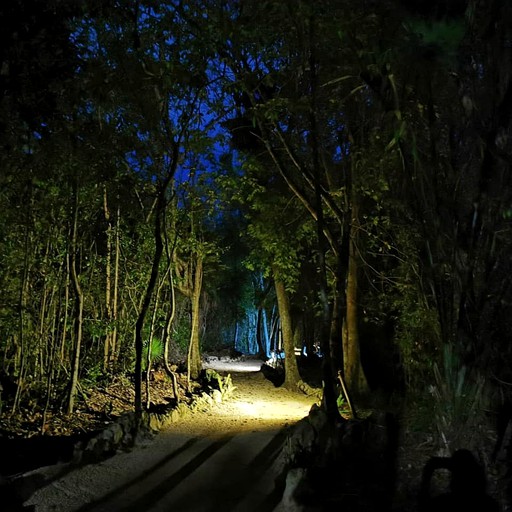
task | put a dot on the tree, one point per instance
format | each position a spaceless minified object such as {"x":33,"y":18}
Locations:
{"x":271,"y":217}
{"x":133,"y":111}
{"x":291,"y":371}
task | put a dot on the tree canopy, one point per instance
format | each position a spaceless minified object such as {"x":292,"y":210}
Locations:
{"x":164,"y":166}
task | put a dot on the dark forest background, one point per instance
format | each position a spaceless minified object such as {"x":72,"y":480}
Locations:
{"x":186,"y":177}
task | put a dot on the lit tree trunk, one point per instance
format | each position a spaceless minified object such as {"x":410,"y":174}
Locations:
{"x":21,"y":353}
{"x":329,"y":396}
{"x":291,"y":371}
{"x":51,"y":356}
{"x":298,"y":335}
{"x":160,"y":206}
{"x":167,"y":334}
{"x":194,"y":354}
{"x":152,"y":329}
{"x":79,"y":307}
{"x":338,"y":323}
{"x":354,"y":374}
{"x":107,"y":355}
{"x":63,"y":355}
{"x":146,"y":302}
{"x":261,"y":322}
{"x":113,"y":339}
{"x":259,"y":334}
{"x":274,"y":332}
{"x":265,"y":334}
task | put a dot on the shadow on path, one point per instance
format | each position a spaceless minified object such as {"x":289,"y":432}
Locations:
{"x":240,"y":482}
{"x":158,"y":492}
{"x":231,"y":473}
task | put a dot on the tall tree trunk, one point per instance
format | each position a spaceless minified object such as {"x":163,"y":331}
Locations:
{"x":265,"y":334}
{"x":337,"y":324}
{"x":107,"y":347}
{"x":194,"y":354}
{"x":354,"y":374}
{"x":166,"y":335}
{"x":114,"y":348}
{"x":64,"y":328}
{"x":20,"y":362}
{"x":329,"y":398}
{"x":168,"y":323}
{"x":259,"y":335}
{"x":274,"y":332}
{"x":79,"y":306}
{"x":152,"y":329}
{"x":50,"y":362}
{"x":291,"y":371}
{"x":147,"y":301}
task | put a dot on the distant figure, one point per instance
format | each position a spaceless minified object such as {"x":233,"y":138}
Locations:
{"x":467,"y":486}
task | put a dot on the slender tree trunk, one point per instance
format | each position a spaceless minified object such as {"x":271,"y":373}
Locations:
{"x":274,"y":332}
{"x":167,"y":335}
{"x":168,"y":323}
{"x":265,"y":334}
{"x":259,"y":334}
{"x":291,"y":371}
{"x":194,"y":354}
{"x":64,"y":327}
{"x":145,"y":305}
{"x":79,"y":307}
{"x":329,"y":398}
{"x":298,"y":335}
{"x":114,"y":348}
{"x":354,"y":374}
{"x":235,"y":336}
{"x":337,"y":323}
{"x":149,"y":354}
{"x":107,"y":355}
{"x":50,"y":364}
{"x":20,"y":362}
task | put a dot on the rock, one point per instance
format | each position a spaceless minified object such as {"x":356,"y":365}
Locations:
{"x":155,"y":423}
{"x":116,"y":433}
{"x":318,"y":419}
{"x":298,"y":494}
{"x":305,"y":388}
{"x":301,"y":442}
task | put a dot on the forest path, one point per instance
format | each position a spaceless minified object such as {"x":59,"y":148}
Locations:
{"x":226,"y":458}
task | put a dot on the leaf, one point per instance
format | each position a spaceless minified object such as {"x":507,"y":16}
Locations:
{"x":397,"y":136}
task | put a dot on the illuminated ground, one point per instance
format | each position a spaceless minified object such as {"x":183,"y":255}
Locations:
{"x":256,"y":404}
{"x":226,"y":458}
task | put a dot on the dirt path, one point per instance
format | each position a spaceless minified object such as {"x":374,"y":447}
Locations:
{"x":226,"y":458}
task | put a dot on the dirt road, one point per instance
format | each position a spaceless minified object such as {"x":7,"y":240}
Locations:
{"x":226,"y":458}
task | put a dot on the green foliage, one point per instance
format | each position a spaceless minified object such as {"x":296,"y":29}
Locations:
{"x":156,"y":348}
{"x":223,"y":384}
{"x":444,"y":36}
{"x":458,"y":398}
{"x":417,"y":335}
{"x":181,"y":334}
{"x":272,"y":219}
{"x":341,"y":402}
{"x":132,"y":93}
